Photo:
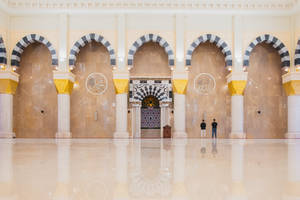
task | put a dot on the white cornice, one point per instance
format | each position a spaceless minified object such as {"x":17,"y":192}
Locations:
{"x":16,"y":7}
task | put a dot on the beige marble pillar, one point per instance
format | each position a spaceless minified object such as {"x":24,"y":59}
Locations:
{"x":64,"y":82}
{"x":236,"y":85}
{"x":291,"y":84}
{"x":8,"y":85}
{"x":179,"y":82}
{"x":136,"y":120}
{"x":121,"y":83}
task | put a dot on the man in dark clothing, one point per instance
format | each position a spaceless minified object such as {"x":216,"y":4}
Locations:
{"x":214,"y":128}
{"x":203,"y":128}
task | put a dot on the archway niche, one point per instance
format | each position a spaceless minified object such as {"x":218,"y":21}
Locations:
{"x":150,"y":70}
{"x":92,"y":115}
{"x":265,"y":100}
{"x":35,"y":101}
{"x":207,"y":94}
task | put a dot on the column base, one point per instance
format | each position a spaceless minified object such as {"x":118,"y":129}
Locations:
{"x":292,"y":135}
{"x":121,"y":134}
{"x":7,"y":135}
{"x":66,"y":135}
{"x":238,"y":135}
{"x":179,"y":134}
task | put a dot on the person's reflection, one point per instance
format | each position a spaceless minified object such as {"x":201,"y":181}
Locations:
{"x":238,"y":191}
{"x":203,"y":143}
{"x":62,"y":191}
{"x":179,"y":187}
{"x":214,"y":149}
{"x":7,"y":191}
{"x":292,"y":189}
{"x":121,"y":188}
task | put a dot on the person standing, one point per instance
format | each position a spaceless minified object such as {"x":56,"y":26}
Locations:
{"x":203,"y":129}
{"x":214,"y":128}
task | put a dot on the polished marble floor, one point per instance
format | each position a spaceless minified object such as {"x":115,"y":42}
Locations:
{"x":36,"y":169}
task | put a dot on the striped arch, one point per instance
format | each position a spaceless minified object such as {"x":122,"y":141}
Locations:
{"x":139,"y":89}
{"x":297,"y":54}
{"x":147,"y":38}
{"x":277,"y":44}
{"x":3,"y":59}
{"x":87,"y":39}
{"x":25,"y":42}
{"x":212,"y":39}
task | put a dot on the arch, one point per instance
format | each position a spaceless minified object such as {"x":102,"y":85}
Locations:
{"x":297,"y":54}
{"x":147,"y":38}
{"x":212,"y":39}
{"x":87,"y":39}
{"x":3,"y":59}
{"x":161,"y":89}
{"x":276,"y":43}
{"x":25,"y":42}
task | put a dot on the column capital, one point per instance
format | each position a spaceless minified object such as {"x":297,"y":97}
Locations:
{"x":8,"y":82}
{"x":121,"y":81}
{"x":63,"y":81}
{"x":179,"y":81}
{"x":291,"y":83}
{"x":237,"y":82}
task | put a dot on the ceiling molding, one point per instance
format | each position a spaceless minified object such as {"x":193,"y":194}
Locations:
{"x":75,"y":6}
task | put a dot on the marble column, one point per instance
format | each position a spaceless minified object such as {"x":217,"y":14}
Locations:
{"x":8,"y":85}
{"x":180,"y":80}
{"x":121,"y":82}
{"x":164,"y":116}
{"x":291,"y":84}
{"x":236,"y":85}
{"x":136,"y":120}
{"x":64,"y":85}
{"x":121,"y":189}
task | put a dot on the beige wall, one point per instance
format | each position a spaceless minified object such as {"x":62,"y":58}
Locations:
{"x":264,"y":92}
{"x":35,"y":93}
{"x":150,"y":60}
{"x":207,"y":58}
{"x":92,"y":58}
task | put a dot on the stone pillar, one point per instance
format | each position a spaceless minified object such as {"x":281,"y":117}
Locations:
{"x":236,"y":85}
{"x":163,"y":117}
{"x":121,"y":189}
{"x":179,"y":188}
{"x":8,"y":85}
{"x":121,"y":82}
{"x":180,"y":80}
{"x":136,"y":120}
{"x":291,"y":84}
{"x":64,"y":85}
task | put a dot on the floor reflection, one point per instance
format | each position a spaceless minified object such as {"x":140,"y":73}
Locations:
{"x":149,"y":169}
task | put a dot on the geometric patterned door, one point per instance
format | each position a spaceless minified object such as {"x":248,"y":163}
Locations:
{"x":150,"y":118}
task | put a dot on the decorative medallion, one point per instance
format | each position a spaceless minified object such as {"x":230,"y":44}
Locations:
{"x":204,"y":83}
{"x":96,"y":83}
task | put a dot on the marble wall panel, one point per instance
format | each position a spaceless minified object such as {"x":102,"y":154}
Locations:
{"x":150,"y":60}
{"x":207,"y":58}
{"x":35,"y":102}
{"x":92,"y":58}
{"x":264,"y":92}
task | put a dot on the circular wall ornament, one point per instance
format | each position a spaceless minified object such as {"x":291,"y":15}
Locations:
{"x":96,"y":83}
{"x":204,"y":83}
